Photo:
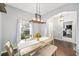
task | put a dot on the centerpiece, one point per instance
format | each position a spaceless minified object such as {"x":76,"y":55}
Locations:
{"x":37,"y":36}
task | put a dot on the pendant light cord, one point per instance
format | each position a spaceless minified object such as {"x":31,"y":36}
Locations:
{"x":39,"y":8}
{"x":36,"y":8}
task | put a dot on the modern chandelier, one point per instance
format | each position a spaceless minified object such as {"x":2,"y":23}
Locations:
{"x":38,"y":17}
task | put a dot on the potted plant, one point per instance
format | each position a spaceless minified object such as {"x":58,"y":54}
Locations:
{"x":37,"y":36}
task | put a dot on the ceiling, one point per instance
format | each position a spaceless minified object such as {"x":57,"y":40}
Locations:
{"x":31,"y":7}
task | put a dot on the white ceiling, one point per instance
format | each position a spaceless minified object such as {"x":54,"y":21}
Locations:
{"x":31,"y":7}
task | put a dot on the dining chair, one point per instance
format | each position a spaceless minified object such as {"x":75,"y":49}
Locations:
{"x":9,"y":49}
{"x":51,"y":37}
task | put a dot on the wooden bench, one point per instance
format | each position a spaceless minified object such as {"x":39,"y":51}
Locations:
{"x":48,"y":50}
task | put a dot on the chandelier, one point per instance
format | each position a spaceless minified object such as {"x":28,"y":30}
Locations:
{"x":38,"y":17}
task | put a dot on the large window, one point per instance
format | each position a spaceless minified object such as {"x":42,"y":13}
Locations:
{"x":25,"y":30}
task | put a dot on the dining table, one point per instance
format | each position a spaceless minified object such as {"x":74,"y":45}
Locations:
{"x":26,"y":47}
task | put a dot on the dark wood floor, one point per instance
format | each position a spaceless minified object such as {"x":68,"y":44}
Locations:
{"x":64,"y":48}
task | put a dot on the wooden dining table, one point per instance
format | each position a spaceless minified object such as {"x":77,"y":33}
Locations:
{"x":29,"y":49}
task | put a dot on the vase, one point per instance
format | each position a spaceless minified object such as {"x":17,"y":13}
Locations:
{"x":37,"y":39}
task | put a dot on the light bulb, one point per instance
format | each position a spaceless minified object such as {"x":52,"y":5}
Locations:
{"x":38,"y":19}
{"x":41,"y":20}
{"x":34,"y":18}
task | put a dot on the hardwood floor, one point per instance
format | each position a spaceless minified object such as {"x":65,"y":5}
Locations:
{"x":64,"y":48}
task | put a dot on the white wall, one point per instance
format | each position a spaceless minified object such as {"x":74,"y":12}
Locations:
{"x":0,"y":32}
{"x":50,"y":26}
{"x":36,"y":28}
{"x":10,"y":25}
{"x":77,"y":34}
{"x":41,"y":28}
{"x":58,"y":25}
{"x":72,"y":16}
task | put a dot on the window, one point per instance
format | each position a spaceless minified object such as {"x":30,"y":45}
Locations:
{"x":25,"y":30}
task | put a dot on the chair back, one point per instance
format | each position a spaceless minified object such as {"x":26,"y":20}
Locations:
{"x":9,"y":48}
{"x":51,"y":37}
